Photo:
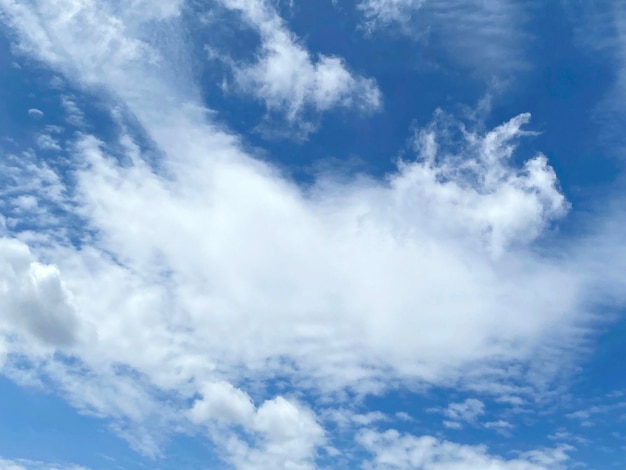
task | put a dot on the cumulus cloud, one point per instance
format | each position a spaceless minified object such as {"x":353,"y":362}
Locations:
{"x":33,"y":298}
{"x":289,"y":80}
{"x":216,"y":269}
{"x":392,"y":450}
{"x":286,"y":435}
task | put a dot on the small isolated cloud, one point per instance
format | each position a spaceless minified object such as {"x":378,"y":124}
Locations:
{"x":403,"y":416}
{"x":465,"y":412}
{"x":500,"y":426}
{"x":452,"y":424}
{"x":368,"y":418}
{"x":289,"y":80}
{"x":35,"y":113}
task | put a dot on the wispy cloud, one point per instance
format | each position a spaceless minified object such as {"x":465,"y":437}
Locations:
{"x":467,"y":411}
{"x":600,"y":32}
{"x":32,"y":465}
{"x":289,"y":80}
{"x":487,"y":37}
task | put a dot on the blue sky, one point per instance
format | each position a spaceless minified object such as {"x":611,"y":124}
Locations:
{"x":264,"y":234}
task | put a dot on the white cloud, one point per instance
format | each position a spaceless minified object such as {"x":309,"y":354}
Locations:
{"x":272,"y":303}
{"x":288,"y":80}
{"x":74,"y":114}
{"x":467,"y":411}
{"x":383,"y":12}
{"x":369,"y":418}
{"x":219,"y":270}
{"x":47,"y":142}
{"x":8,"y":465}
{"x":35,"y":113}
{"x":500,"y":426}
{"x":223,"y":402}
{"x":51,"y":25}
{"x":588,"y":415}
{"x":392,"y":450}
{"x":285,"y":434}
{"x":33,"y":297}
{"x":452,"y":424}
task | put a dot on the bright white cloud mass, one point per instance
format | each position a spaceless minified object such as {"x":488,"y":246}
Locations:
{"x":164,"y":275}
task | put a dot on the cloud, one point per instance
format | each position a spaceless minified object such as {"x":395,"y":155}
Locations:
{"x":47,"y":142}
{"x":379,"y":13}
{"x":35,"y":113}
{"x":287,"y":302}
{"x":466,"y":411}
{"x":33,"y":298}
{"x":32,"y":465}
{"x":289,"y":81}
{"x":486,"y":37}
{"x":600,"y":32}
{"x":214,"y":270}
{"x":392,"y":450}
{"x":584,"y":416}
{"x":286,"y":435}
{"x":74,"y":114}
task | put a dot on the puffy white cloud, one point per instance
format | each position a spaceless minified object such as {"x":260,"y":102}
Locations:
{"x":392,"y":450}
{"x":285,"y":435}
{"x":288,"y":80}
{"x":33,"y":298}
{"x":223,"y":402}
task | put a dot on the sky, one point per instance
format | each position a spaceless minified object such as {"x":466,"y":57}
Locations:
{"x":280,"y":234}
